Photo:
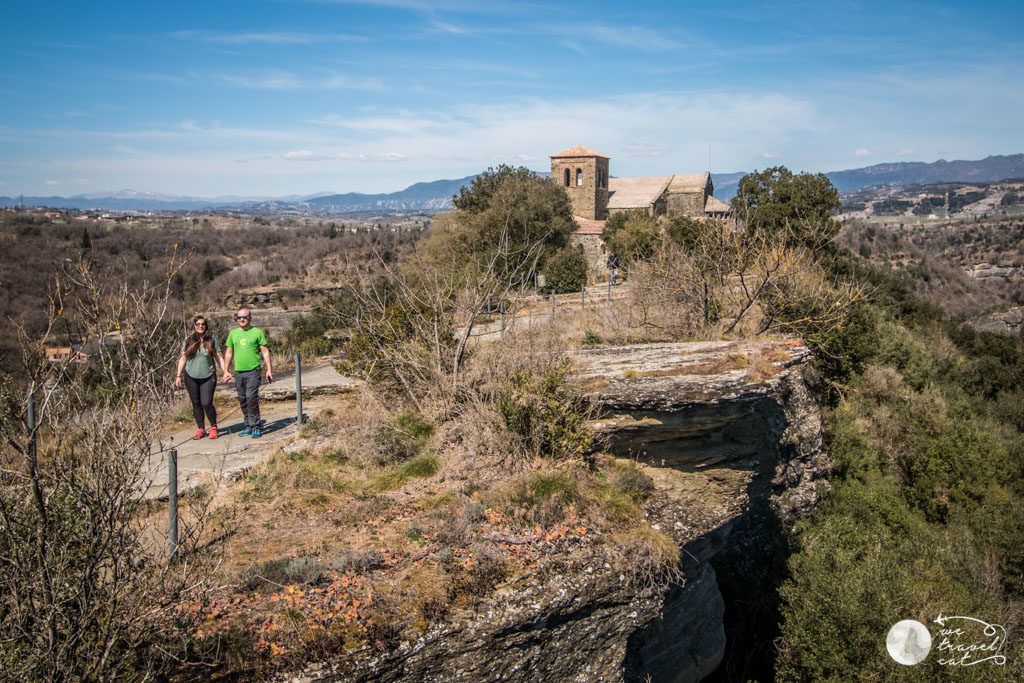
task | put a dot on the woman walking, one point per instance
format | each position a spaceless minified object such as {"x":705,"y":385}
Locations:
{"x":199,"y":362}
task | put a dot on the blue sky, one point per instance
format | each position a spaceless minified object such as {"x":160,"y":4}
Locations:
{"x":269,"y":97}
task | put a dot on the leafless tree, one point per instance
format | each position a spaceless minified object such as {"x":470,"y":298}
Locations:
{"x":87,"y":593}
{"x":417,"y":322}
{"x":722,"y":278}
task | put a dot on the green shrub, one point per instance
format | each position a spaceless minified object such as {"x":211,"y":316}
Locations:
{"x":566,"y":271}
{"x":633,"y":235}
{"x":865,"y":560}
{"x":543,"y":497}
{"x":953,"y":465}
{"x":843,"y":350}
{"x":591,"y":338}
{"x":546,"y":412}
{"x":393,"y":349}
{"x":403,"y":437}
{"x":307,"y":332}
{"x":423,"y":466}
{"x":633,"y":483}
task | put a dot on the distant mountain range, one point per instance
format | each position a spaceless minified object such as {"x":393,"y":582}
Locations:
{"x":436,"y":195}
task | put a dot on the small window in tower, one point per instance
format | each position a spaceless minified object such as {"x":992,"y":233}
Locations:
{"x":579,"y":177}
{"x":567,"y":177}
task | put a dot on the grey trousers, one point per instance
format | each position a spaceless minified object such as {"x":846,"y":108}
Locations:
{"x":248,"y":385}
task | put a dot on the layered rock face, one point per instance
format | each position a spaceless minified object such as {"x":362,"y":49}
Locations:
{"x":732,"y":439}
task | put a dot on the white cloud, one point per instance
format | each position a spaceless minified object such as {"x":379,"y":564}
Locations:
{"x":388,"y":149}
{"x":284,"y":80}
{"x":645,"y":149}
{"x":340,"y":81}
{"x":271,"y":80}
{"x":445,"y":27}
{"x":307,"y":155}
{"x":302,"y":155}
{"x":403,"y":123}
{"x":771,"y":155}
{"x":52,"y":182}
{"x":3,"y":183}
{"x":637,"y":37}
{"x":905,"y":153}
{"x":264,"y":37}
{"x":80,"y":181}
{"x":862,"y":152}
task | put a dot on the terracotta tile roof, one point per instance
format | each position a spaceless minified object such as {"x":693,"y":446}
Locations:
{"x":691,"y":182}
{"x":579,"y":151}
{"x":716,"y":205}
{"x":588,"y":226}
{"x":634,"y":193}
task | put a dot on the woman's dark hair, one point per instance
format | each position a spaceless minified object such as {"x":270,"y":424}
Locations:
{"x":196,"y":339}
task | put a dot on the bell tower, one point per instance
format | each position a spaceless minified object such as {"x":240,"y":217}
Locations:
{"x":584,"y":175}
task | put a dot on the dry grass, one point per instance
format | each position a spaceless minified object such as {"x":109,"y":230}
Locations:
{"x":408,"y":519}
{"x":666,"y":372}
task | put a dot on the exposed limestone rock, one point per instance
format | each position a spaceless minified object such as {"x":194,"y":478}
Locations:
{"x":1006,"y":271}
{"x":1003,"y":322}
{"x":732,"y":439}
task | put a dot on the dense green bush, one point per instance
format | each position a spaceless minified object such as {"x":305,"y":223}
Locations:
{"x":546,"y":412}
{"x":633,"y":235}
{"x":566,"y":271}
{"x":925,"y":513}
{"x":869,"y":558}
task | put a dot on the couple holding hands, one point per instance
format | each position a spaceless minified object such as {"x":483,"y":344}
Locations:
{"x":197,"y":367}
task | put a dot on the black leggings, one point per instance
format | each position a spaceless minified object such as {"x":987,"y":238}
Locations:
{"x":200,"y":391}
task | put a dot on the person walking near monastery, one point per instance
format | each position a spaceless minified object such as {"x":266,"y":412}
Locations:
{"x":613,"y":266}
{"x":245,"y":345}
{"x":197,"y":366}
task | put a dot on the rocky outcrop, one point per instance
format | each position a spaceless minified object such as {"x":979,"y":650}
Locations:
{"x":732,"y":436}
{"x":732,"y":439}
{"x":1005,"y":271}
{"x":1010,"y":321}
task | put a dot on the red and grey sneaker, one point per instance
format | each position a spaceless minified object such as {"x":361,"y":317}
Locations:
{"x":200,"y":434}
{"x":213,"y":432}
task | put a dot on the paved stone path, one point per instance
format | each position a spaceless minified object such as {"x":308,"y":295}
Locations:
{"x":232,"y":453}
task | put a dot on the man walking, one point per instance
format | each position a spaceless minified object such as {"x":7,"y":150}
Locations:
{"x":613,"y":266}
{"x":245,"y":345}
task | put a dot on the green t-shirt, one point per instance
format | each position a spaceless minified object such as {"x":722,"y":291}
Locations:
{"x":201,"y":365}
{"x":245,"y":345}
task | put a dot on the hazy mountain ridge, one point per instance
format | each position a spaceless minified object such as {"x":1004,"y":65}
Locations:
{"x":427,"y":196}
{"x":988,"y":170}
{"x":436,"y":195}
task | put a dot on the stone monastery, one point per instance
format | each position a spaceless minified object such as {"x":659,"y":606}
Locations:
{"x":595,"y":194}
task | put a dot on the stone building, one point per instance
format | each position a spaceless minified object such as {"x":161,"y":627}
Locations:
{"x":595,"y":195}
